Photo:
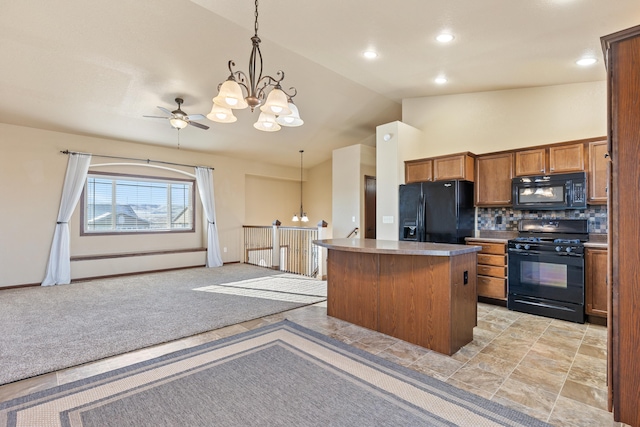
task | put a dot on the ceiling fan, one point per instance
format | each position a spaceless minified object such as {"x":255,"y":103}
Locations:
{"x":179,"y":119}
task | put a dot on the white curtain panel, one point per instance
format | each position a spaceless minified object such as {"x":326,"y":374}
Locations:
{"x":204,"y":179}
{"x":59,"y":266}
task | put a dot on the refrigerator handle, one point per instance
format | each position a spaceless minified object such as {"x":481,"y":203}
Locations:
{"x":421,"y":215}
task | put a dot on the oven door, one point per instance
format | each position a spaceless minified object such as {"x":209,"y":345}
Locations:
{"x":547,"y":275}
{"x":547,"y":284}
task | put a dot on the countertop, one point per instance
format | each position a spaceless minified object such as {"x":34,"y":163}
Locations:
{"x":485,"y":239}
{"x":598,"y":245}
{"x":396,"y":247}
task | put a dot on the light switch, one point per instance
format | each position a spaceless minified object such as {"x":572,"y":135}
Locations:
{"x":387,"y":219}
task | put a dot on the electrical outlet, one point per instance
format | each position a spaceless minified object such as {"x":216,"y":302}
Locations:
{"x":224,"y":249}
{"x":353,"y":219}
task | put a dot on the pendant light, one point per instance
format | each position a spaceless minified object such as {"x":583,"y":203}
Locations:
{"x":256,"y":90}
{"x":303,"y":215}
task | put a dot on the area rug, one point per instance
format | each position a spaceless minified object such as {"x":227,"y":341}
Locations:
{"x":278,"y":375}
{"x":45,"y":329}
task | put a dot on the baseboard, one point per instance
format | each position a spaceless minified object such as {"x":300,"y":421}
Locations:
{"x":87,"y":279}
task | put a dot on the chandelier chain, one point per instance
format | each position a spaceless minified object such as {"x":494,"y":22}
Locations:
{"x":301,"y":213}
{"x":256,"y":23}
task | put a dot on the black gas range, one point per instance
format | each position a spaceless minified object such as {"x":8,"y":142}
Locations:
{"x":546,"y":268}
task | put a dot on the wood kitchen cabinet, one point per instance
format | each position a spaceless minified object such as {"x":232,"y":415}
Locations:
{"x":561,"y":158}
{"x":596,"y":282}
{"x":566,"y":158}
{"x":420,"y":170}
{"x":492,"y":269}
{"x":443,"y":168}
{"x":622,"y":50}
{"x":457,"y":166}
{"x":598,"y":167}
{"x":493,"y":180}
{"x":531,"y":162}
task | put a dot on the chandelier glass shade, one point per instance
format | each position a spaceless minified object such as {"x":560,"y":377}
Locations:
{"x":221,"y":114}
{"x":253,"y":90}
{"x":293,"y":119}
{"x":267,"y":123}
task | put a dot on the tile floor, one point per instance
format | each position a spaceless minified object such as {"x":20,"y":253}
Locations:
{"x":550,"y":369}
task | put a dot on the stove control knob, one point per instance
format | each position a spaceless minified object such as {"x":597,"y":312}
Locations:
{"x":527,"y":246}
{"x":518,"y":245}
{"x":558,"y":248}
{"x":569,"y":249}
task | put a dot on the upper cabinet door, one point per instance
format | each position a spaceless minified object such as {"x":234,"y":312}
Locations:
{"x":493,"y":179}
{"x":459,"y":166}
{"x":531,"y":162}
{"x":598,"y":176}
{"x":566,"y":158}
{"x":418,"y":170}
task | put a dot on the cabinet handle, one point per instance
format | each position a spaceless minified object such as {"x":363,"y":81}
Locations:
{"x":606,"y":155}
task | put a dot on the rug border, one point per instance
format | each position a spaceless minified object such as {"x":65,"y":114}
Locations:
{"x":371,"y":359}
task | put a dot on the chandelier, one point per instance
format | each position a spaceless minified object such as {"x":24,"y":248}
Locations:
{"x":277,"y":108}
{"x":303,"y":215}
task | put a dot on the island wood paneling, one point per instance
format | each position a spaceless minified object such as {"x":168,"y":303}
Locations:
{"x":420,"y":299}
{"x":352,"y":287}
{"x":415,"y":300}
{"x":464,"y":307}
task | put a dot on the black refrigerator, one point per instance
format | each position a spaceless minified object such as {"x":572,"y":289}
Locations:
{"x":440,"y":211}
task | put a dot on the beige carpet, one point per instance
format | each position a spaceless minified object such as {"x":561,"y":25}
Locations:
{"x":49,"y":328}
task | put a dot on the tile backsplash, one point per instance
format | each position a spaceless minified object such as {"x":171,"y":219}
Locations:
{"x":506,"y":219}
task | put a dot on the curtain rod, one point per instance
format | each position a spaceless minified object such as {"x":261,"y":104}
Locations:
{"x":132,"y":158}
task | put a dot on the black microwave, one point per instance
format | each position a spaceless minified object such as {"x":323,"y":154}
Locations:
{"x":550,"y":192}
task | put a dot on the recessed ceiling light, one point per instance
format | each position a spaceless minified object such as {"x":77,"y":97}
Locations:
{"x":441,"y":80}
{"x":445,"y":38}
{"x":586,"y":61}
{"x":369,"y":54}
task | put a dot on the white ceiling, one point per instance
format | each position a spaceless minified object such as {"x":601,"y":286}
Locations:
{"x":95,"y":68}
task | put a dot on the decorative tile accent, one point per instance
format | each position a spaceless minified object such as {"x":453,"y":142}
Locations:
{"x":506,"y":219}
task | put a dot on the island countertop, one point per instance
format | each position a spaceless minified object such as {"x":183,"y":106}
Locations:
{"x":396,"y":247}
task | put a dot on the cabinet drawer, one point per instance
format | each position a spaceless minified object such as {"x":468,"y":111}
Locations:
{"x":492,"y":248}
{"x":486,"y":259}
{"x":492,"y":287}
{"x":491,"y":270}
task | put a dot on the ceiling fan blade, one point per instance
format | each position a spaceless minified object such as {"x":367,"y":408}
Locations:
{"x":195,"y":117}
{"x":165,"y":110}
{"x":158,"y":117}
{"x":199,"y":125}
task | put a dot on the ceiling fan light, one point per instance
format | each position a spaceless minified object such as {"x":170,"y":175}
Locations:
{"x":291,"y":120}
{"x":295,"y":218}
{"x":304,"y":218}
{"x":276,"y":103}
{"x":267,"y":123}
{"x":221,"y":114}
{"x":178,"y":123}
{"x":230,"y":96}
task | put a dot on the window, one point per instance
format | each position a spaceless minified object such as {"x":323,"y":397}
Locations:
{"x":136,"y":204}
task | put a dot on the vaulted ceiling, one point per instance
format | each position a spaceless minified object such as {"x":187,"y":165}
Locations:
{"x":96,"y":68}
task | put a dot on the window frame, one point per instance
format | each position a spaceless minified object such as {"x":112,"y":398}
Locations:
{"x":115,"y":177}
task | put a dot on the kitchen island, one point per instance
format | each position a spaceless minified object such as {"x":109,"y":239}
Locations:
{"x":422,"y":293}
